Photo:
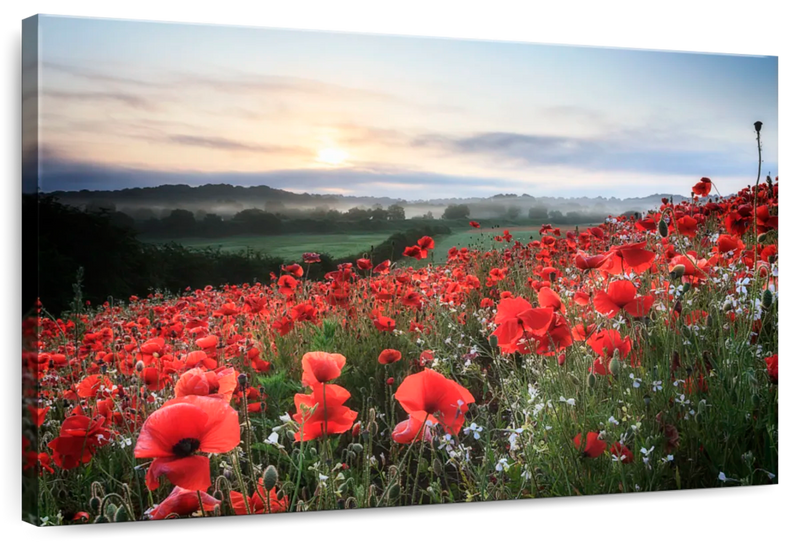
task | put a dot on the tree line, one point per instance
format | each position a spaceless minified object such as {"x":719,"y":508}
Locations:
{"x":73,"y":256}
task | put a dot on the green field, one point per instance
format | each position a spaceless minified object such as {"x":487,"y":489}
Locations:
{"x":289,"y":247}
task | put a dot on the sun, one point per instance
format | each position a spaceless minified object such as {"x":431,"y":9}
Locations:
{"x":332,"y":156}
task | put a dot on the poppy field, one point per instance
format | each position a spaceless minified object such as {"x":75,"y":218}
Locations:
{"x":640,"y":354}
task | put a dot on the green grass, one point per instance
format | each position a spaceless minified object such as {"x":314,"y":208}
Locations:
{"x":289,"y":246}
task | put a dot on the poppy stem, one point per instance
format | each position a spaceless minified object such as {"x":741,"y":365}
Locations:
{"x":200,"y":503}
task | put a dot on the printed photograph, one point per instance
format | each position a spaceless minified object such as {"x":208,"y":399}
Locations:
{"x":275,"y":271}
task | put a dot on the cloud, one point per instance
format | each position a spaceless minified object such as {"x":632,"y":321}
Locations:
{"x":224,"y":144}
{"x":132,"y":100}
{"x":628,"y":152}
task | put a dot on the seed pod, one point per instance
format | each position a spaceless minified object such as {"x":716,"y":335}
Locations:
{"x":393,"y":492}
{"x":121,"y":515}
{"x":615,"y":366}
{"x":766,"y":299}
{"x":270,"y":477}
{"x":663,"y":229}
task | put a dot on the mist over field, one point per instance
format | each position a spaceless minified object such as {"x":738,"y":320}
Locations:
{"x":226,"y":201}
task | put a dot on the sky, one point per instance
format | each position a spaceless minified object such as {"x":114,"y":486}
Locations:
{"x":137,"y":104}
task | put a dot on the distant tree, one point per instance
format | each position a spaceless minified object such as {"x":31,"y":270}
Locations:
{"x":101,"y":206}
{"x":428,"y":215}
{"x":456,"y":211}
{"x":256,"y":221}
{"x":513,"y":212}
{"x":379,"y":214}
{"x":212,"y":225}
{"x":396,"y":212}
{"x":556,"y":216}
{"x":122,"y":220}
{"x":538,"y":213}
{"x":357,"y":214}
{"x":179,"y":223}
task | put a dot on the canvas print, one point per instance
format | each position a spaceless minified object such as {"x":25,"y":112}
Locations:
{"x":276,"y":271}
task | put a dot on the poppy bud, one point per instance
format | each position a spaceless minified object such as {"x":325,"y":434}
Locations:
{"x":101,"y":519}
{"x":437,"y":467}
{"x":94,"y":504}
{"x":758,"y":125}
{"x":615,"y":366}
{"x":766,"y":299}
{"x":242,"y":380}
{"x":350,"y":503}
{"x":728,"y":306}
{"x":121,"y":514}
{"x":270,"y":477}
{"x":677,"y":271}
{"x":358,"y":448}
{"x":493,"y":341}
{"x":139,"y":366}
{"x":663,"y":229}
{"x":393,"y":492}
{"x":591,"y":379}
{"x":357,"y":429}
{"x":763,"y":236}
{"x":562,"y":359}
{"x":647,"y":400}
{"x":219,"y":495}
{"x":390,"y":381}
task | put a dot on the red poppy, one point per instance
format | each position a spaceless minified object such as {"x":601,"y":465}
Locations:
{"x":549,"y":299}
{"x":630,"y":258}
{"x":622,"y":452}
{"x":287,"y":285}
{"x":93,"y":385}
{"x":79,"y":438}
{"x":321,"y":367}
{"x":592,"y":445}
{"x":180,"y":428}
{"x":364,"y":264}
{"x":516,"y":316}
{"x":383,"y":323}
{"x":410,"y":430}
{"x":38,"y":414}
{"x":322,"y":412}
{"x":221,"y":383}
{"x":772,"y":367}
{"x":687,"y":226}
{"x":621,"y":296}
{"x":389,"y":356}
{"x":702,"y":188}
{"x":182,"y":502}
{"x":262,"y":502}
{"x":428,"y":395}
{"x":590,"y":262}
{"x":474,"y":224}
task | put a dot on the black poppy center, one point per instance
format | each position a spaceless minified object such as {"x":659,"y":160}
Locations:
{"x":186,"y":447}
